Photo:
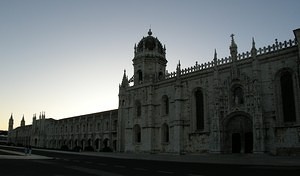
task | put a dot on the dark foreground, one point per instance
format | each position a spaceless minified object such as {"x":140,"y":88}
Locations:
{"x":63,"y":164}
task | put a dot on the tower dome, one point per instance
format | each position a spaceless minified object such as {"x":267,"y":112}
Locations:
{"x":149,"y":60}
{"x":150,"y":46}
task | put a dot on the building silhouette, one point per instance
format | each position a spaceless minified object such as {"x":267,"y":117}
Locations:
{"x":245,"y":103}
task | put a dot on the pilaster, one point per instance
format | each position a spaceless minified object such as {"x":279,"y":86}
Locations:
{"x":178,"y":122}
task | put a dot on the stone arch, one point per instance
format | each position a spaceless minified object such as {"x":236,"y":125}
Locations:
{"x":106,"y":145}
{"x":97,"y":144}
{"x":237,"y":133}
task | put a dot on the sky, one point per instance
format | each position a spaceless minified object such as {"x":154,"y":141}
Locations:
{"x":67,"y":57}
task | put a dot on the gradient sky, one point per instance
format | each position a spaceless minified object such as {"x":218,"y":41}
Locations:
{"x":66,"y":57}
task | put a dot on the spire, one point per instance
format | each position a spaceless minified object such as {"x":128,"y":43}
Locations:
{"x":253,"y":49}
{"x":125,"y":82}
{"x":178,"y":69}
{"x":22,"y":121}
{"x":11,"y":116}
{"x":215,"y":58}
{"x":215,"y":55}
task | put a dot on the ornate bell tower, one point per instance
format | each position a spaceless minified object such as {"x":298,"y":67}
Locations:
{"x":149,"y":60}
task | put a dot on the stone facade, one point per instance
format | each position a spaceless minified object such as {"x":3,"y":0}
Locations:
{"x":96,"y":132}
{"x":246,"y":103}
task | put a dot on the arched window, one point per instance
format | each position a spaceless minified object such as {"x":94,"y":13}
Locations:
{"x":160,"y":75}
{"x":138,"y":108}
{"x":165,"y":133}
{"x":199,"y":105}
{"x":165,"y":105}
{"x":137,"y":134}
{"x":287,"y":97}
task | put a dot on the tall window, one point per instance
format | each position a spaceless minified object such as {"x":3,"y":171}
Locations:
{"x":165,"y":133}
{"x":115,"y":124}
{"x":137,"y":134}
{"x":287,"y":97}
{"x":140,"y":76}
{"x":138,"y":108}
{"x":165,"y":105}
{"x":199,"y":109}
{"x":98,"y":126}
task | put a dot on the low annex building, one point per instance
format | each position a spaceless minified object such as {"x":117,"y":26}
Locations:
{"x":245,"y":103}
{"x":93,"y":132}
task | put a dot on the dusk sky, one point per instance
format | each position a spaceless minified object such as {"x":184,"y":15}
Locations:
{"x":67,"y":57}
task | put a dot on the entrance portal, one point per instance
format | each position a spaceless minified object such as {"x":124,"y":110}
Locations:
{"x":238,"y":135}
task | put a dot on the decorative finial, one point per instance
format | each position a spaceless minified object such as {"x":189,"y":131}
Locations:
{"x":150,"y":32}
{"x":178,"y":69}
{"x":253,"y":49}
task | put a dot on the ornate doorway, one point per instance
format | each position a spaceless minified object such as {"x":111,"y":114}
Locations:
{"x":238,"y":134}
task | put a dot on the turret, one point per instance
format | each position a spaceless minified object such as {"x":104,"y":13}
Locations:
{"x":10,"y":129}
{"x":34,"y":120}
{"x":233,"y":48}
{"x":125,"y":82}
{"x":11,"y":123}
{"x":22,"y":122}
{"x":233,"y":52}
